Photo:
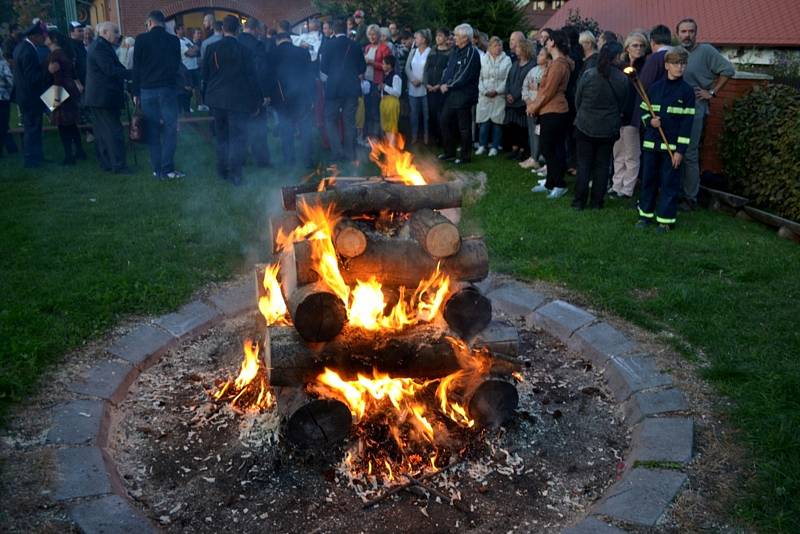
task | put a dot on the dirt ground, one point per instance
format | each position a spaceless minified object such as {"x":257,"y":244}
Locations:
{"x":563,"y":451}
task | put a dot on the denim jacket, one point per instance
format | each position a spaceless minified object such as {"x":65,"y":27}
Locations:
{"x":6,"y":80}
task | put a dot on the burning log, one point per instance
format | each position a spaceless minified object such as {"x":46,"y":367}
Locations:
{"x":311,"y":423}
{"x":285,"y":222}
{"x":348,"y":239}
{"x":317,"y":313}
{"x":397,"y":262}
{"x":435,"y":233}
{"x":289,"y":193}
{"x":493,"y":402}
{"x":467,"y":311}
{"x":363,"y":198}
{"x":422,"y":352}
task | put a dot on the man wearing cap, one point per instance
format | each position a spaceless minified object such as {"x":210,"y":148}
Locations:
{"x":361,"y":28}
{"x":31,"y":80}
{"x":78,"y":49}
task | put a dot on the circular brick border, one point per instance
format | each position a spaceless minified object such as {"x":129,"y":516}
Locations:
{"x":661,"y":446}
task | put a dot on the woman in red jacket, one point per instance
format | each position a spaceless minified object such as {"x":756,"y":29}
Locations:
{"x":374,"y":52}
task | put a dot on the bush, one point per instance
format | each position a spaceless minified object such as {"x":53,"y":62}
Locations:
{"x":760,"y":148}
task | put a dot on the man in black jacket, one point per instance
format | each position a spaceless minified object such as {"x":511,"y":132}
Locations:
{"x":31,"y":80}
{"x":257,"y":129}
{"x":156,"y":62}
{"x":78,"y":49}
{"x":104,"y":97}
{"x":292,"y":95}
{"x":233,"y":96}
{"x":342,"y":62}
{"x":460,"y":89}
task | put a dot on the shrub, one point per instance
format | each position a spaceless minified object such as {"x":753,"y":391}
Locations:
{"x":760,"y":148}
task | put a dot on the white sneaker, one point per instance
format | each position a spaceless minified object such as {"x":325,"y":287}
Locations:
{"x":202,"y":107}
{"x":480,"y":151}
{"x":557,"y":192}
{"x":539,"y":189}
{"x":492,"y":152}
{"x":541,"y":171}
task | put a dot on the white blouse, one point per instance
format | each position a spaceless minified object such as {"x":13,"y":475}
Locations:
{"x":417,"y":69}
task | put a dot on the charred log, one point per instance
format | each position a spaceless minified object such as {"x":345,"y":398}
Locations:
{"x":467,"y":311}
{"x":289,"y":193}
{"x":493,"y":402}
{"x":311,"y":423}
{"x":317,"y":313}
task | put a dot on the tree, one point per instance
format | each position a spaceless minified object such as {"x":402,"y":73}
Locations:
{"x":582,"y":24}
{"x":27,"y":10}
{"x":495,"y":17}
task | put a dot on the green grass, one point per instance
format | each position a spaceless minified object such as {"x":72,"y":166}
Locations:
{"x":729,"y":289}
{"x":82,"y":249}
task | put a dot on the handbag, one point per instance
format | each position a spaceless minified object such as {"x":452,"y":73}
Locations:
{"x":136,"y":127}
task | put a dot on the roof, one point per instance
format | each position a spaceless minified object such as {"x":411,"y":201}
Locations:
{"x":720,"y":22}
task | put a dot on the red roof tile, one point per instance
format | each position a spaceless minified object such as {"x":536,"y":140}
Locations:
{"x":721,"y":22}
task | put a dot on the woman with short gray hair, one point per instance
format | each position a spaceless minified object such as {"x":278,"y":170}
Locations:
{"x":417,"y":93}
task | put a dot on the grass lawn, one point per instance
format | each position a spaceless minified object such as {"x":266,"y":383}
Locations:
{"x":81,"y":250}
{"x":728,"y":288}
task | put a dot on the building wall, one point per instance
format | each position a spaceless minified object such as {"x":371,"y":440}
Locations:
{"x":131,"y":14}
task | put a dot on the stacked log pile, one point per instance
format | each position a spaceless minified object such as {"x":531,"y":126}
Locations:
{"x":398,"y":234}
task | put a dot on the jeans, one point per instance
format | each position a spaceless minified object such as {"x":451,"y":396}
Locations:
{"x":159,"y":105}
{"x":32,"y":137}
{"x":289,"y":122}
{"x":533,"y":138}
{"x":456,"y":123}
{"x":553,"y":138}
{"x":496,"y":131}
{"x":659,"y":179}
{"x":691,"y":160}
{"x":109,"y":142}
{"x":231,"y":135}
{"x":419,"y":105}
{"x":372,"y":113}
{"x":341,"y":148}
{"x":594,"y":157}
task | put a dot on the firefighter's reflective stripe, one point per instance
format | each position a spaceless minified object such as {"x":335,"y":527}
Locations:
{"x":645,"y":118}
{"x":684,"y":140}
{"x":656,"y":107}
{"x":648,"y":144}
{"x":662,"y":220}
{"x":671,"y":147}
{"x":645,"y":215}
{"x":680,"y":111}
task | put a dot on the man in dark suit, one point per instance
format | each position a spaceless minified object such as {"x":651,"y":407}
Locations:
{"x":156,"y":62}
{"x":342,"y":62}
{"x":292,"y":96}
{"x":31,"y":79}
{"x":104,"y":97}
{"x":233,"y":96}
{"x":257,"y":129}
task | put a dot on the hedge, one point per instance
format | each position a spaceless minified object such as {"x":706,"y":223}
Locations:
{"x":760,"y":148}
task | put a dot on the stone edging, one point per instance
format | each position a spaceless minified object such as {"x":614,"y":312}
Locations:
{"x":89,"y":485}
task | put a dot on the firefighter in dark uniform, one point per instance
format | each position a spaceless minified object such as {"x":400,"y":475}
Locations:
{"x":673,"y":111}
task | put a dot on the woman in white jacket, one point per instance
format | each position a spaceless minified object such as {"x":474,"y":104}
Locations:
{"x":491,"y":109}
{"x":417,"y":93}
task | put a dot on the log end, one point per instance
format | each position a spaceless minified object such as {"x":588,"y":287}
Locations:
{"x":493,"y":403}
{"x":350,"y":242}
{"x":468,"y":312}
{"x":320,"y":317}
{"x":443,"y":240}
{"x":318,"y":424}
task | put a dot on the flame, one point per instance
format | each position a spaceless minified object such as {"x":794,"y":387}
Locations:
{"x":271,"y":305}
{"x":394,"y":162}
{"x":249,"y":392}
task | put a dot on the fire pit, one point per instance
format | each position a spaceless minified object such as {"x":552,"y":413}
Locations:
{"x":369,"y":379}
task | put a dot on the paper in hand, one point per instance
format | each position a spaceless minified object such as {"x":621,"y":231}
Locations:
{"x":54,"y":97}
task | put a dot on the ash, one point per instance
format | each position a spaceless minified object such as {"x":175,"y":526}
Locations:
{"x":197,"y":466}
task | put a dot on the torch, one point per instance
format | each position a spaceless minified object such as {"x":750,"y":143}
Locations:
{"x":631,"y":73}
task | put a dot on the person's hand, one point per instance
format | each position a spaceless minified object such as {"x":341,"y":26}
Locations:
{"x":416,"y":83}
{"x":677,"y":158}
{"x":655,"y":122}
{"x":136,"y":101}
{"x":79,"y":85}
{"x":529,"y":109}
{"x":443,"y":88}
{"x":509,"y":99}
{"x":702,"y":94}
{"x":491,"y":94}
{"x":380,"y":87}
{"x":369,"y":62}
{"x":430,"y":87}
{"x":53,"y":67}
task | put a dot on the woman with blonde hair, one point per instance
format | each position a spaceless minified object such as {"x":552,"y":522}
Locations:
{"x":491,"y":110}
{"x":627,"y":149}
{"x":374,"y":52}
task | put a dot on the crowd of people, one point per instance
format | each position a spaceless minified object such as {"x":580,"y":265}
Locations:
{"x":613,"y":111}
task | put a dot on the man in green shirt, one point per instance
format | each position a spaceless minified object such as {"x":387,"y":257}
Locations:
{"x":707,"y":72}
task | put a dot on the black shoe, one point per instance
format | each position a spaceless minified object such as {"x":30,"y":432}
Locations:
{"x":685,"y":206}
{"x":513,"y":156}
{"x":643,"y":224}
{"x":663,"y":229}
{"x":445,"y":157}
